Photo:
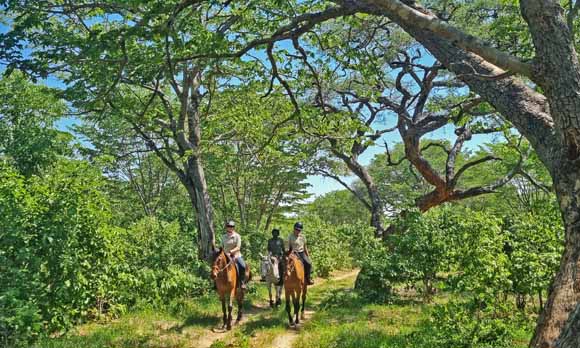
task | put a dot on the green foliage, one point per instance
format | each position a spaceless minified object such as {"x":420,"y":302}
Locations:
{"x":338,"y":208}
{"x":479,"y":263}
{"x":464,"y":325}
{"x":534,"y":247}
{"x":328,"y":246}
{"x":416,"y":253}
{"x":53,"y":259}
{"x":155,"y":262}
{"x":62,"y":262}
{"x":420,"y":250}
{"x":375,"y":279}
{"x":28,"y":139}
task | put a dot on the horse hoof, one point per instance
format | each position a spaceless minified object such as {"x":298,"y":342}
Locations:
{"x":229,"y":327}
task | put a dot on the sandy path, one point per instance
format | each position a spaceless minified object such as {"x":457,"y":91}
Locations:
{"x":287,"y":339}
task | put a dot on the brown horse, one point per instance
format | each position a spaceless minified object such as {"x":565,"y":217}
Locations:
{"x":223,"y":272}
{"x":294,"y":287}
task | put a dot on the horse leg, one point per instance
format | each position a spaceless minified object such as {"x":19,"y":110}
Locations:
{"x":270,"y":294}
{"x":303,"y":302}
{"x":296,"y":301}
{"x":230,"y":307}
{"x":288,"y":310}
{"x":225,"y":317}
{"x":240,"y":304}
{"x":278,"y":295}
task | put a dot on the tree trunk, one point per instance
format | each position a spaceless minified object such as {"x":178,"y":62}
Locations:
{"x":375,"y":205}
{"x":197,"y":188}
{"x":564,"y":293}
{"x":570,"y":337}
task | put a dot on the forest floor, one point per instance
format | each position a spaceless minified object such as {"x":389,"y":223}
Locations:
{"x":335,"y":317}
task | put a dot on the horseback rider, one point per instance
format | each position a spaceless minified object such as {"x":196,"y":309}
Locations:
{"x":232,"y":245}
{"x":276,"y":249}
{"x":297,"y":244}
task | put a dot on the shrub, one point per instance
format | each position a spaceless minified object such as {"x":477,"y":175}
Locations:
{"x":155,"y":261}
{"x":465,"y":325}
{"x":53,"y":252}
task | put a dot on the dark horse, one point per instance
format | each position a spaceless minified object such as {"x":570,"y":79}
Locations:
{"x":224,"y":273}
{"x":294,"y":287}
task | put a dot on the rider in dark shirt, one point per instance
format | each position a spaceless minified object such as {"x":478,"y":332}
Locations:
{"x":276,"y":248}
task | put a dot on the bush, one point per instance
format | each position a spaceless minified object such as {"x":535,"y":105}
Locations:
{"x":534,"y":245}
{"x":328,"y":247}
{"x":61,"y":262}
{"x":375,"y":279}
{"x":465,"y":325}
{"x":416,"y":253}
{"x":53,"y":257}
{"x":153,"y":262}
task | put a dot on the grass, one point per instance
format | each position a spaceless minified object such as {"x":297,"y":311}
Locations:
{"x":341,"y":319}
{"x":173,"y":326}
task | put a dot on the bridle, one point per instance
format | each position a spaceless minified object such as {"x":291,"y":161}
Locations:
{"x":226,"y":266}
{"x":293,"y":263}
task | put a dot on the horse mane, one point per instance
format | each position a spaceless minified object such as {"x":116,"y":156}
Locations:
{"x":218,"y":253}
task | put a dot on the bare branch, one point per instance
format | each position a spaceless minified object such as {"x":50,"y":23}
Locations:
{"x":345,"y":185}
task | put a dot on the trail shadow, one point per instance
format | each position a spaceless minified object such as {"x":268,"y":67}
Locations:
{"x":196,"y":319}
{"x":369,"y":339}
{"x":261,"y":324}
{"x":352,"y":299}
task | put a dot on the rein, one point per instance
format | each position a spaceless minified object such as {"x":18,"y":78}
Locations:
{"x":226,"y":266}
{"x":293,"y":263}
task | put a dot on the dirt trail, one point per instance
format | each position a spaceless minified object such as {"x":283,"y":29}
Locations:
{"x":287,"y":339}
{"x":281,"y":341}
{"x":212,"y":336}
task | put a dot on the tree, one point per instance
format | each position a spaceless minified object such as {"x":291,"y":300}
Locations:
{"x":337,"y":208}
{"x":136,"y":62}
{"x":354,"y":94}
{"x":28,"y":137}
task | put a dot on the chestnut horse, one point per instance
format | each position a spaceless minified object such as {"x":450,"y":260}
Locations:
{"x":223,"y":272}
{"x":294,"y":287}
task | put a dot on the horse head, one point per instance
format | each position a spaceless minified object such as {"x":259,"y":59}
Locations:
{"x":290,"y":258}
{"x":269,"y":267}
{"x":219,"y":263}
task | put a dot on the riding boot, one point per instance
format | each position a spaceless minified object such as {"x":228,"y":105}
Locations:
{"x":243,"y":279}
{"x":308,"y":277}
{"x":307,"y":270}
{"x":241,"y":272}
{"x":281,"y":271}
